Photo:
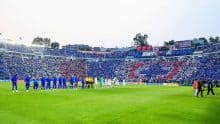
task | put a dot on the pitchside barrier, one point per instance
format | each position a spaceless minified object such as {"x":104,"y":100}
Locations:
{"x":1,"y":81}
{"x":153,"y":83}
{"x":171,"y":84}
{"x":144,"y":83}
{"x":164,"y":84}
{"x":9,"y":81}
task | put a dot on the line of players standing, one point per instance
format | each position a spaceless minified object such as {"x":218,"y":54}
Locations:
{"x":60,"y":82}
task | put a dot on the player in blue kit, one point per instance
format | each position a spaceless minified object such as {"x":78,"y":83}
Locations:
{"x":64,"y":83}
{"x":43,"y":81}
{"x":35,"y":84}
{"x":83,"y":83}
{"x":75,"y":82}
{"x":27,"y":82}
{"x":54,"y":82}
{"x":60,"y":82}
{"x":71,"y":82}
{"x":14,"y":83}
{"x":48,"y":83}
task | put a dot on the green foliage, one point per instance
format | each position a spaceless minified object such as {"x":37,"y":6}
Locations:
{"x":55,"y":45}
{"x":140,"y":40}
{"x":85,"y":47}
{"x":204,"y":39}
{"x":211,"y":40}
{"x":41,"y":41}
{"x":169,"y":43}
{"x":217,"y":40}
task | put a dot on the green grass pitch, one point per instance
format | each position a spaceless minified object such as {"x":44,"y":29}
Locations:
{"x":133,"y":104}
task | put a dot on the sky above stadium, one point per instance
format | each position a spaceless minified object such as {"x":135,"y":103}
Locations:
{"x":109,"y":23}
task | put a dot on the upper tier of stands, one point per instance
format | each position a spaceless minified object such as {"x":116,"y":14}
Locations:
{"x":132,"y":53}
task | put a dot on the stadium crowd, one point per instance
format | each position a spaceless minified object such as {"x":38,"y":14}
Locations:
{"x":180,"y":66}
{"x":38,"y":66}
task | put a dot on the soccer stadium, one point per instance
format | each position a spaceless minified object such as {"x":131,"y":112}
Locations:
{"x":48,"y":81}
